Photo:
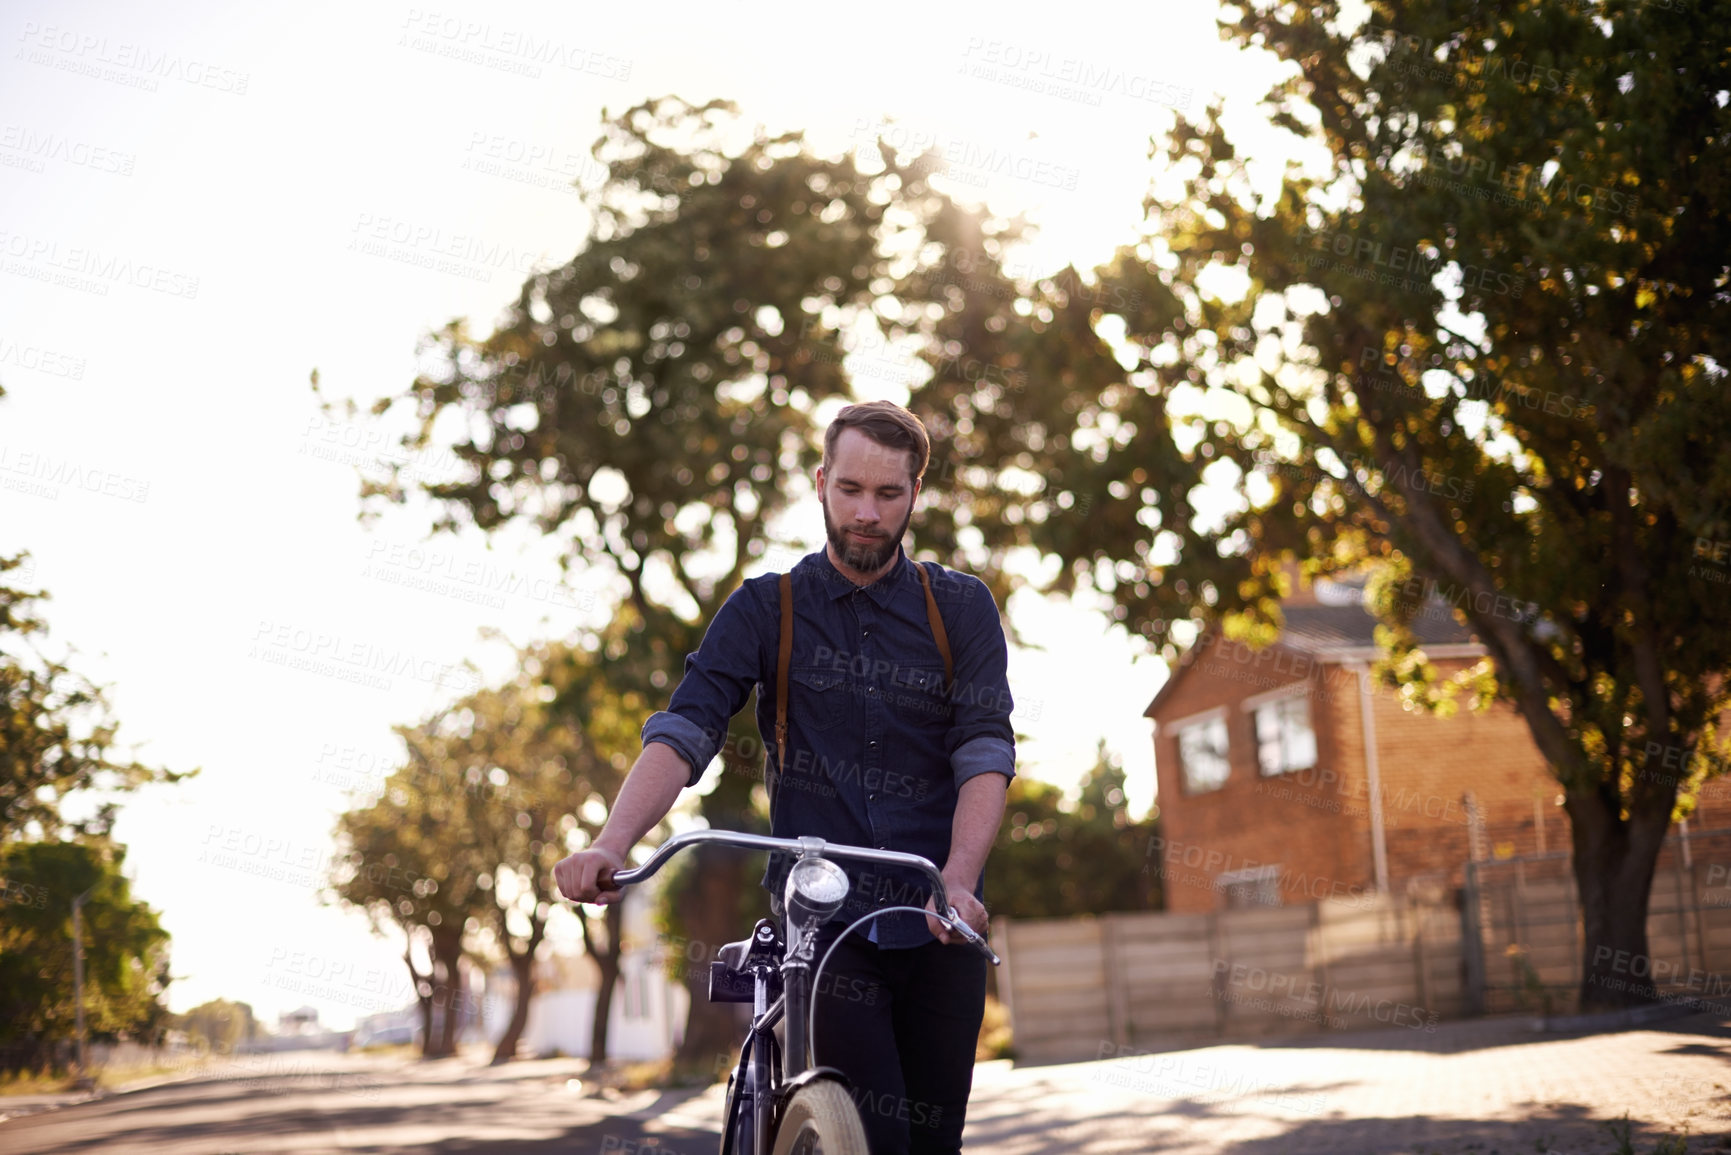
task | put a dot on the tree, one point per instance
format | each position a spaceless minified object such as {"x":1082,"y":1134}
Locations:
{"x":496,"y":789}
{"x":1056,"y":859}
{"x":125,"y":951}
{"x":1481,"y":350}
{"x":536,"y":787}
{"x":55,"y":732}
{"x":407,"y":859}
{"x":220,"y":1026}
{"x":651,"y":403}
{"x":56,"y":737}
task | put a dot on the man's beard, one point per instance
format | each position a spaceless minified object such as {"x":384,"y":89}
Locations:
{"x":865,"y":557}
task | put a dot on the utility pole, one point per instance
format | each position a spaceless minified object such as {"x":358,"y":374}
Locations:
{"x":78,"y":977}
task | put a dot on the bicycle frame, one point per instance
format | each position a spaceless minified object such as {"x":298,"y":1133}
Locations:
{"x":767,"y":1075}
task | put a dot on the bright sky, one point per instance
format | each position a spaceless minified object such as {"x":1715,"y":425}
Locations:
{"x":183,"y":195}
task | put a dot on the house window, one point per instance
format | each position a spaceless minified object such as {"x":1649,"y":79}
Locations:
{"x":1243,"y":889}
{"x":1202,"y":755}
{"x":1285,"y":740}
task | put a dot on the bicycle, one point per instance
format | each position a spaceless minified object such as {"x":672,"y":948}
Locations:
{"x":779,"y":1103}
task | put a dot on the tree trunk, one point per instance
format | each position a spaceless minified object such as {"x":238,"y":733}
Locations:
{"x":708,"y":914}
{"x":1614,"y":862}
{"x":523,"y":970}
{"x":453,"y":1020}
{"x":447,"y":950}
{"x":718,"y":906}
{"x":608,"y":961}
{"x":425,"y":1000}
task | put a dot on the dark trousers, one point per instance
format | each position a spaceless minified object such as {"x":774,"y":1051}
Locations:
{"x":902,"y":1025}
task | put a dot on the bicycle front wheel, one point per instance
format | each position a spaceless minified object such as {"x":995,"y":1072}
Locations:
{"x":821,"y":1120}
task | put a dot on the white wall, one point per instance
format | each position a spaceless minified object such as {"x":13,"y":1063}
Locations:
{"x":648,"y":1013}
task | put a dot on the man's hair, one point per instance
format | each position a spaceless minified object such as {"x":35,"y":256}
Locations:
{"x":886,"y":423}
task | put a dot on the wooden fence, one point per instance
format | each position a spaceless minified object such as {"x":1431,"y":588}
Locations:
{"x":1527,"y":915}
{"x":1085,"y":988}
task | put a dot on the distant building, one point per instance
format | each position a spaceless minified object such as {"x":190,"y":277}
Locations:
{"x":296,"y":1030}
{"x":389,"y":1028}
{"x":301,"y":1021}
{"x":1285,"y":776}
{"x":648,"y":1007}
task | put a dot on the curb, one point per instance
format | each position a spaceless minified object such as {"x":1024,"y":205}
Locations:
{"x":14,"y":1110}
{"x":24,"y":1105}
{"x":1615,"y":1020}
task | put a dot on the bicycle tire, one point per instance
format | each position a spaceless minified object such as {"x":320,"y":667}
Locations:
{"x":821,"y":1119}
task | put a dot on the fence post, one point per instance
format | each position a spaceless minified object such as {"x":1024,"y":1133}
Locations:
{"x":1418,"y":916}
{"x":1700,"y":919}
{"x":1117,"y":997}
{"x":1214,"y":982}
{"x":1320,"y":943}
{"x":1472,"y":942}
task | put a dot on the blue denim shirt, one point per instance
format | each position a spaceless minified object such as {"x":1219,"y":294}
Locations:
{"x":877,"y":750}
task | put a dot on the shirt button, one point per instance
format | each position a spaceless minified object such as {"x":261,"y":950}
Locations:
{"x":871,"y":797}
{"x":871,"y":745}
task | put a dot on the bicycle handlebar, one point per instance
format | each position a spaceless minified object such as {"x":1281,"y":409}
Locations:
{"x":801,"y":847}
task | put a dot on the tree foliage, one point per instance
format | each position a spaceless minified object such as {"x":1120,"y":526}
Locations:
{"x":652,"y":403}
{"x":1478,"y":348}
{"x":56,"y":735}
{"x":1056,"y":858}
{"x":220,"y":1026}
{"x":458,"y":848}
{"x":125,"y":951}
{"x":1481,"y":350}
{"x":408,"y":861}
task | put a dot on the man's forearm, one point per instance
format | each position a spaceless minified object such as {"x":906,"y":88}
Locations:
{"x":979,"y":810}
{"x":648,"y":793}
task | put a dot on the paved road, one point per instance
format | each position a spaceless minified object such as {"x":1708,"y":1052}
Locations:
{"x":1482,"y":1088}
{"x":1478,"y":1088}
{"x":316,"y":1102}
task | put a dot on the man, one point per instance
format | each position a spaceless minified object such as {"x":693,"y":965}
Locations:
{"x":880,"y":752}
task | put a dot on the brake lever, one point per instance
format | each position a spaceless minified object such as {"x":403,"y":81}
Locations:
{"x":973,"y":936}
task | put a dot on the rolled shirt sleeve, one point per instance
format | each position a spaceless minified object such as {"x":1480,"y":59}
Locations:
{"x":983,"y":755}
{"x":687,"y":739}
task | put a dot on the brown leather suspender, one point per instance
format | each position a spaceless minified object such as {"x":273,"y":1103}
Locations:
{"x":937,"y":621}
{"x":782,"y":661}
{"x":784,"y":658}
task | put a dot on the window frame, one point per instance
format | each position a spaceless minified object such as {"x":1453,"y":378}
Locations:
{"x":1262,"y":876}
{"x":1178,"y":726}
{"x":1278,"y":699}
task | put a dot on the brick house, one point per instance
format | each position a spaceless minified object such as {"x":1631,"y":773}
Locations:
{"x":1268,"y":761}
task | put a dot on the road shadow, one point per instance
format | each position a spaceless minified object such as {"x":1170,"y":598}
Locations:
{"x":1254,"y":1127}
{"x":402,"y":1111}
{"x":1460,"y":1036}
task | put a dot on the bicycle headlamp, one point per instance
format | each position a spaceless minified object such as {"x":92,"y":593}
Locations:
{"x":816,"y":888}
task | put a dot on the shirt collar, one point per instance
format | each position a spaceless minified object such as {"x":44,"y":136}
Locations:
{"x":838,"y":585}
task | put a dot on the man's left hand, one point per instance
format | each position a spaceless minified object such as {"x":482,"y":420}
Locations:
{"x":967,"y":907}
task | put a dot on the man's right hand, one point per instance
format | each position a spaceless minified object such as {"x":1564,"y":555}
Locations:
{"x":579,"y":876}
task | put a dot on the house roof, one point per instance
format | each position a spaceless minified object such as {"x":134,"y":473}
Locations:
{"x":1333,"y":626}
{"x":1322,"y":628}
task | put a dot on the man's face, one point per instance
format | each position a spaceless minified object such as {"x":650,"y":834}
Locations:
{"x":868,"y":498}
